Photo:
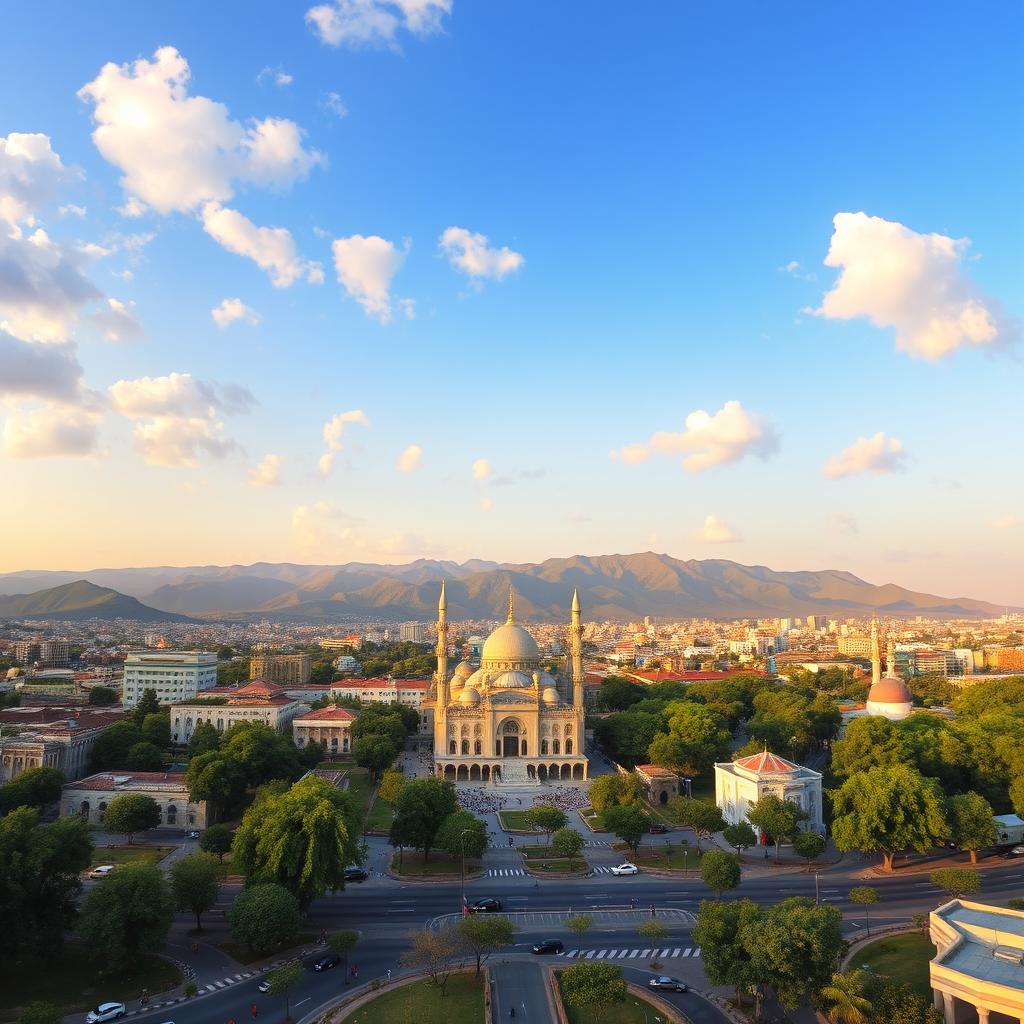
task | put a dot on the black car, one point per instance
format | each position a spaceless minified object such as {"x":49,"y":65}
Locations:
{"x":670,"y":984}
{"x":486,"y":906}
{"x":356,"y":874}
{"x":547,"y":946}
{"x":326,"y":962}
{"x":658,"y":829}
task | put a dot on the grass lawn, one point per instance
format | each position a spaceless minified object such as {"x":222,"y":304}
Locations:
{"x":72,"y":981}
{"x":340,"y":762}
{"x":360,"y":785}
{"x":515,"y":821}
{"x":654,"y":856}
{"x":593,"y":819}
{"x":556,"y":864}
{"x":900,"y":957}
{"x":422,"y":1002}
{"x":380,"y":817}
{"x":240,"y":952}
{"x":440,"y":863}
{"x":139,"y":854}
{"x":633,"y":1011}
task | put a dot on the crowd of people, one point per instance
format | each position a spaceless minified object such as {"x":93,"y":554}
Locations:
{"x":568,"y":798}
{"x":482,"y":800}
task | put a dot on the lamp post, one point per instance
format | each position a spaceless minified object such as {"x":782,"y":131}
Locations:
{"x":462,"y":844}
{"x":686,"y":860}
{"x":641,"y":1009}
{"x":817,"y":897}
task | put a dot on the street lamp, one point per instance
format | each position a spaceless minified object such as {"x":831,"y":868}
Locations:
{"x":817,"y":897}
{"x":462,"y":843}
{"x":641,"y":1009}
{"x":686,"y":860}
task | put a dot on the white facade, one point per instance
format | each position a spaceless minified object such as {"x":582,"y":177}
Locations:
{"x":257,"y":702}
{"x":739,"y":784}
{"x":174,"y":675}
{"x":382,"y":691}
{"x":88,"y":798}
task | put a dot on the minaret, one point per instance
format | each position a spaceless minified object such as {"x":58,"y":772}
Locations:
{"x":511,"y":610}
{"x":890,"y":658}
{"x":876,"y":657}
{"x":442,"y":649}
{"x":576,"y":651}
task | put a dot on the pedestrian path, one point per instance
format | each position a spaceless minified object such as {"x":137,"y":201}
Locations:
{"x":679,"y":952}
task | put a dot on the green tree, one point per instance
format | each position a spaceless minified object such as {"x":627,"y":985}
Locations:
{"x":144,"y":757}
{"x":719,"y":932}
{"x":958,"y":882}
{"x":127,"y":916}
{"x":546,"y":818}
{"x":303,"y":839}
{"x":609,"y":790}
{"x":195,"y":882}
{"x":974,"y":828}
{"x":869,"y":742}
{"x":262,"y":752}
{"x":217,"y":778}
{"x":41,"y":1013}
{"x":654,"y":930}
{"x":148,"y":704}
{"x":896,"y":1002}
{"x":156,"y":728}
{"x":112,"y":745}
{"x":592,"y":987}
{"x":627,"y":735}
{"x":264,"y":917}
{"x":776,"y":818}
{"x":480,"y":935}
{"x":374,"y":752}
{"x":422,"y":807}
{"x":619,"y":693}
{"x":739,"y":836}
{"x":809,"y":845}
{"x":702,"y":818}
{"x":1015,"y":904}
{"x":217,"y":840}
{"x":205,"y":738}
{"x":864,"y":896}
{"x":719,"y":871}
{"x":391,"y":785}
{"x":888,"y":809}
{"x":579,"y":925}
{"x":463,"y":833}
{"x":844,"y":999}
{"x":130,"y":813}
{"x":629,"y":822}
{"x":567,"y":843}
{"x":434,"y":953}
{"x":343,"y":942}
{"x":283,"y":980}
{"x":34,"y":787}
{"x":102,"y":696}
{"x":697,"y":738}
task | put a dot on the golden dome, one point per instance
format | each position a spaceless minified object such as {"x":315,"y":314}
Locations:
{"x":510,"y":644}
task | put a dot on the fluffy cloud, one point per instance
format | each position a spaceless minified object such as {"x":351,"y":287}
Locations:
{"x":31,"y":370}
{"x":409,"y":460}
{"x":913,"y":282}
{"x":271,"y":249}
{"x":716,"y":531}
{"x":471,"y":254}
{"x":713,"y":440}
{"x":277,"y":75}
{"x":231,"y":310}
{"x":51,"y":431}
{"x":118,"y":321}
{"x":334,"y":431}
{"x":30,"y":172}
{"x":1006,"y":523}
{"x":268,"y":472}
{"x":365,"y":265}
{"x":877,"y":454}
{"x":481,"y":469}
{"x":357,"y":23}
{"x":179,"y":152}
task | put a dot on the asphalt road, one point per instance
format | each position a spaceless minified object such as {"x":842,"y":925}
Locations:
{"x":519,"y":987}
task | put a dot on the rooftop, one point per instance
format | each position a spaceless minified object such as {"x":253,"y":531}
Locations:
{"x":130,"y":782}
{"x":331,"y":714}
{"x":380,"y":684}
{"x":973,"y":932}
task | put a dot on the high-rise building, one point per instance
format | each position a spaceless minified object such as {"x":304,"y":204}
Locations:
{"x":26,"y":651}
{"x":174,"y":675}
{"x":292,"y":669}
{"x":55,"y":653}
{"x":414,"y":632}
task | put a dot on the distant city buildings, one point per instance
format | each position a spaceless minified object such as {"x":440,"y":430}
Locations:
{"x":382,"y":691}
{"x":46,"y":653}
{"x":414,"y":632}
{"x":174,"y":675}
{"x":280,"y":668}
{"x":256,"y":702}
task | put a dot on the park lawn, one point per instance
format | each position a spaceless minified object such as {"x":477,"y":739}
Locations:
{"x":72,"y":981}
{"x":422,"y":1002}
{"x":380,"y":817}
{"x":118,"y":855}
{"x":654,"y":856}
{"x":514,"y":821}
{"x":900,"y":957}
{"x":593,"y":819}
{"x":635,"y":1010}
{"x":558,"y":864}
{"x":440,"y":863}
{"x":244,"y":955}
{"x":360,"y":785}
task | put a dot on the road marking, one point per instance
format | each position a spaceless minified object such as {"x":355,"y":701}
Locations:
{"x":408,"y":910}
{"x":623,"y":953}
{"x":646,"y":953}
{"x":600,"y":956}
{"x":687,"y":951}
{"x":301,"y":1001}
{"x":633,"y":953}
{"x":589,"y":955}
{"x":696,"y":952}
{"x":675,"y":952}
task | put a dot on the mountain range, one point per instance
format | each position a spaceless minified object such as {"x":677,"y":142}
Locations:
{"x":624,"y":587}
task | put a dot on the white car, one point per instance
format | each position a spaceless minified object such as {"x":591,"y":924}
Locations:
{"x":626,"y":869}
{"x":105,"y":1011}
{"x":101,"y":872}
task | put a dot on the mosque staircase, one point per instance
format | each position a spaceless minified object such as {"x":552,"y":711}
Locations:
{"x":513,"y":775}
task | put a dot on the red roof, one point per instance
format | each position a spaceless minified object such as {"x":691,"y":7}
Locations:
{"x":258,"y":688}
{"x":654,"y":771}
{"x":108,"y":780}
{"x":767,"y":763}
{"x":83,"y":717}
{"x":380,"y":684}
{"x":660,"y":675}
{"x":333,"y":714}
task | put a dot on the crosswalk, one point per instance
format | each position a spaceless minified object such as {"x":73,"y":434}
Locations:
{"x":679,"y":952}
{"x":505,"y":872}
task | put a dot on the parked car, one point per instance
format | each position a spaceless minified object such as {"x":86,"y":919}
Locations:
{"x":102,"y":871}
{"x":356,"y":874}
{"x":264,"y":985}
{"x":105,"y":1011}
{"x":192,"y":835}
{"x":489,"y":905}
{"x":668,"y":984}
{"x":547,"y":946}
{"x":326,"y":962}
{"x":658,"y":829}
{"x":626,"y":869}
{"x":1014,"y":851}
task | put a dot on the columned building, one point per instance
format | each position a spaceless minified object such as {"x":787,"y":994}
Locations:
{"x":741,"y":783}
{"x":258,"y":701}
{"x":330,"y":726}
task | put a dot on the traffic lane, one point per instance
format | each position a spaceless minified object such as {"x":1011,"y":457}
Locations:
{"x":695,"y":1007}
{"x":520,"y":986}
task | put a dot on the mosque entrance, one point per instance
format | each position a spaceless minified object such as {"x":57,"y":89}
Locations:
{"x":510,"y":739}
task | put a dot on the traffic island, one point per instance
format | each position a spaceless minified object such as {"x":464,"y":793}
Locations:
{"x":517,"y":823}
{"x":410,"y":865}
{"x":640,"y":1006}
{"x":903,"y":957}
{"x":544,"y":862}
{"x":417,"y":999}
{"x":592,"y":819}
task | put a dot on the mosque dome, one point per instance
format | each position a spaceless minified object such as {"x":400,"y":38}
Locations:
{"x":510,"y":643}
{"x":469,"y":695}
{"x":890,"y":698}
{"x":511,"y":681}
{"x":462,"y":671}
{"x":550,"y":695}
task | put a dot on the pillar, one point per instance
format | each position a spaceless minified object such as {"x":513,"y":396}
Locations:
{"x":937,"y":999}
{"x":982,"y":1014}
{"x":949,"y":1008}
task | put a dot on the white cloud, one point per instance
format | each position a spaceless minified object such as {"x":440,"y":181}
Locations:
{"x":118,"y":321}
{"x":365,"y":265}
{"x":178,"y":152}
{"x":409,"y":460}
{"x":132,"y":208}
{"x":272,"y":249}
{"x":32,"y":370}
{"x":179,"y":440}
{"x":268,"y":472}
{"x":30,"y":173}
{"x":323,"y":531}
{"x":334,"y":103}
{"x":1007,"y":523}
{"x":481,"y":469}
{"x":716,"y":531}
{"x":231,"y":310}
{"x":71,"y":210}
{"x":913,"y":282}
{"x":471,"y":254}
{"x":278,"y":75}
{"x":357,"y":23}
{"x":334,"y":430}
{"x":713,"y":440}
{"x":876,"y":454}
{"x":54,"y":430}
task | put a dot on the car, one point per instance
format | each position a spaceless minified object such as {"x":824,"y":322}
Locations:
{"x":547,"y":946}
{"x":485,"y":906}
{"x":663,"y":981}
{"x":356,"y":874}
{"x":264,"y":985}
{"x":192,"y":835}
{"x":326,"y":962}
{"x":658,"y":829}
{"x":105,"y":1011}
{"x":1014,"y":851}
{"x":626,"y":869}
{"x":102,"y":871}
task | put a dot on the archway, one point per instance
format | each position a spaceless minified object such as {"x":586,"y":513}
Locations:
{"x":530,"y":772}
{"x":474,"y":773}
{"x":509,"y":737}
{"x":542,"y":772}
{"x":566,"y":771}
{"x":485,"y":773}
{"x":462,"y":775}
{"x":465,"y":746}
{"x":577,"y":771}
{"x":496,"y":773}
{"x":663,"y":797}
{"x":556,"y":747}
{"x":449,"y":772}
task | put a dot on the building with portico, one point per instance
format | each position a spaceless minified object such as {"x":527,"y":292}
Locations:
{"x":741,"y":783}
{"x":88,"y":798}
{"x":258,"y":701}
{"x":331,"y":727}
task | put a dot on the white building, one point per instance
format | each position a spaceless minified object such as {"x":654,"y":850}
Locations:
{"x":174,"y":675}
{"x":51,"y":737}
{"x":331,"y":727}
{"x":415,"y":632}
{"x":258,"y":701}
{"x":739,"y":784}
{"x":382,"y":691}
{"x":89,"y":797}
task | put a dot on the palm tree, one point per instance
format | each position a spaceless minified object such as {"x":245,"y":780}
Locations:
{"x":845,"y":1003}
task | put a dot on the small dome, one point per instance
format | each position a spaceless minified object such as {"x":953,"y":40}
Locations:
{"x":469,"y":695}
{"x":511,"y":681}
{"x":510,"y":643}
{"x":462,"y":671}
{"x":550,"y":695}
{"x":890,"y":690}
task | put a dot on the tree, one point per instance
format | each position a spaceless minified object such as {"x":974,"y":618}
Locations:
{"x":216,"y":777}
{"x":156,"y":729}
{"x":391,"y":785}
{"x":41,"y":1013}
{"x":608,"y":790}
{"x":719,"y":932}
{"x":112,"y":745}
{"x":204,"y":739}
{"x":435,"y":953}
{"x":127,"y":916}
{"x":653,"y":929}
{"x":974,"y":828}
{"x":619,"y":693}
{"x":719,"y":871}
{"x":739,"y":836}
{"x":102,"y":696}
{"x":283,"y":980}
{"x":1016,"y":903}
{"x":864,"y":896}
{"x":374,"y":752}
{"x":34,"y":787}
{"x":593,"y":987}
{"x":568,"y":843}
{"x":579,"y":925}
{"x":896,"y":1002}
{"x":629,"y":822}
{"x":217,"y":839}
{"x":869,"y":742}
{"x":888,"y":809}
{"x":546,"y":818}
{"x":195,"y":882}
{"x":343,"y":942}
{"x":264,"y":917}
{"x":480,"y":935}
{"x":809,"y":845}
{"x":702,"y":818}
{"x":422,"y":807}
{"x":957,"y":882}
{"x":696,"y":739}
{"x":148,"y":704}
{"x":844,"y":999}
{"x":776,"y":818}
{"x":262,"y":752}
{"x":302,"y":839}
{"x":463,"y":834}
{"x":130,"y":813}
{"x":627,"y":735}
{"x":145,"y":757}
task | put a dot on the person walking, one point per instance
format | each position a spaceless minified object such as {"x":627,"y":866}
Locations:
{"x":254,"y":1010}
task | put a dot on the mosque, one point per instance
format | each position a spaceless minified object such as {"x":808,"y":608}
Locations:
{"x":889,"y":696}
{"x":508,"y":722}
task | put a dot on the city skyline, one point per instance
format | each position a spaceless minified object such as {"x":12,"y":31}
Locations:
{"x":325,"y":287}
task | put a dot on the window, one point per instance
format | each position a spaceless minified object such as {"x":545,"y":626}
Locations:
{"x":172,"y":814}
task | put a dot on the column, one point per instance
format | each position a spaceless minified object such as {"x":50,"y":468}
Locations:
{"x":949,"y":1008}
{"x":937,"y":999}
{"x":982,"y":1014}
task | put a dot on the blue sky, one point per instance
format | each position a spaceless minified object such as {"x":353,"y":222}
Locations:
{"x":643,"y":174}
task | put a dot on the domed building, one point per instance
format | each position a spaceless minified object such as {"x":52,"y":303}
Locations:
{"x":889,"y":696}
{"x":508,"y":721}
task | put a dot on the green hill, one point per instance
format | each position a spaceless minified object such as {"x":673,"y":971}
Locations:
{"x":81,"y":600}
